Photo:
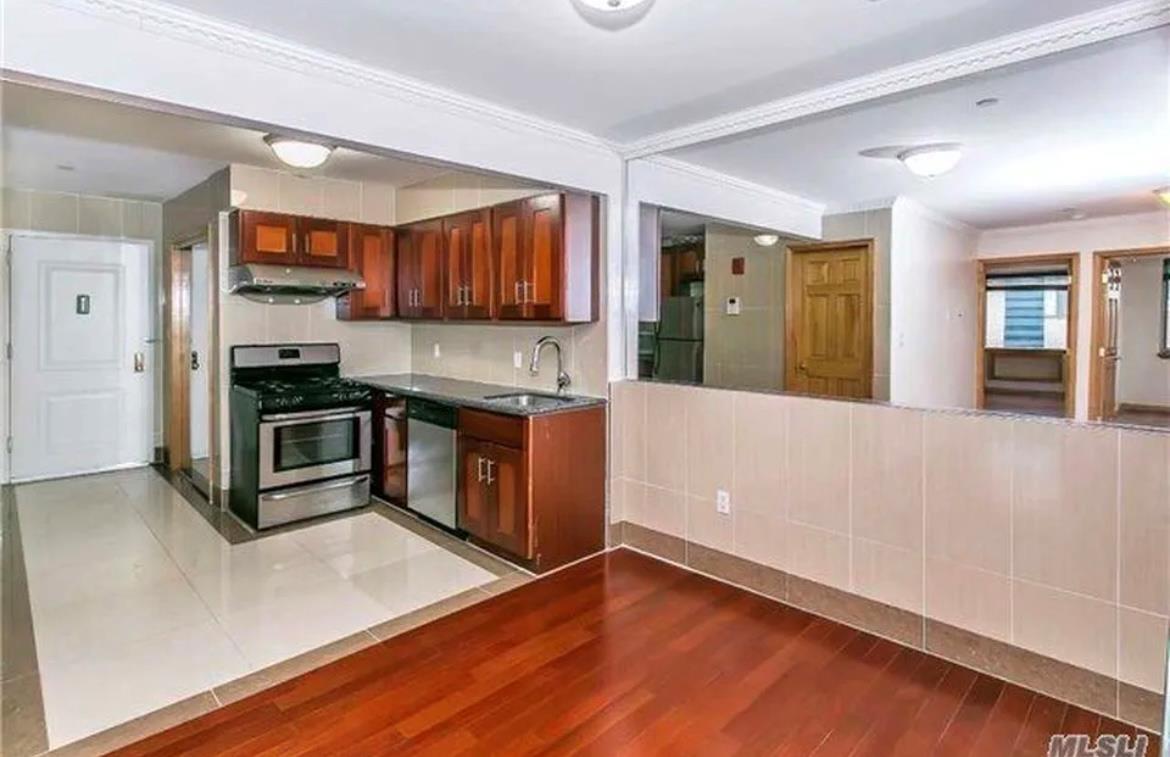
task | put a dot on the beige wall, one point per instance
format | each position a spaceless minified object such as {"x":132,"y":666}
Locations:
{"x":876,"y":225}
{"x":1143,"y":378}
{"x":487,"y":352}
{"x":56,"y":212}
{"x":1047,"y":535}
{"x":747,"y":350}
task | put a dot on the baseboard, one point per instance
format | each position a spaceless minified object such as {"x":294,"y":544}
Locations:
{"x":1070,"y":683}
{"x":1132,"y":407}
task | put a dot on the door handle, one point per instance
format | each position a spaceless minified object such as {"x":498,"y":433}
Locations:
{"x":490,"y":479}
{"x":803,"y":367}
{"x":194,"y":360}
{"x":139,"y":362}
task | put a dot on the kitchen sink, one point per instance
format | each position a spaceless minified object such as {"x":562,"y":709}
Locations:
{"x":530,"y":401}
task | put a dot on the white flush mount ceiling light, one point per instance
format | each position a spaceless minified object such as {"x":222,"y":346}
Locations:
{"x":767,"y":240}
{"x":297,"y":152}
{"x":930,"y":161}
{"x":612,"y":14}
{"x":1163,"y":194}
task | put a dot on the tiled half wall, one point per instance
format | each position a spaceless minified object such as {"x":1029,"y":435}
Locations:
{"x":1036,"y":550}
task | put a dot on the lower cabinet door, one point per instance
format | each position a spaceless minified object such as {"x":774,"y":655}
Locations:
{"x":508,"y":481}
{"x":473,"y":499}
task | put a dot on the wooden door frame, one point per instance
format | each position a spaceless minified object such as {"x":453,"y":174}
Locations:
{"x":176,"y":350}
{"x":867,"y":245}
{"x":1101,"y":258}
{"x":1073,"y":260}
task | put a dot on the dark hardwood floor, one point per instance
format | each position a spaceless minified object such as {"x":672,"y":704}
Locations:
{"x":626,"y":655}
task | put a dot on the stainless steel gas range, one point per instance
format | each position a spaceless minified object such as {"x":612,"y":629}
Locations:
{"x":300,"y":434}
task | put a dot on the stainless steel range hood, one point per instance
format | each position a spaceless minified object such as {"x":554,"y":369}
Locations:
{"x":290,"y":285}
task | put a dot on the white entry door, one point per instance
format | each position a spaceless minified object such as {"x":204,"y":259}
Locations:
{"x":82,"y":395}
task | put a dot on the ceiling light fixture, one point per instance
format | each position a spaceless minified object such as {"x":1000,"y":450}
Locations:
{"x":298,"y":153}
{"x":1163,"y":194}
{"x":930,"y":161}
{"x":612,"y":14}
{"x":766,"y":240}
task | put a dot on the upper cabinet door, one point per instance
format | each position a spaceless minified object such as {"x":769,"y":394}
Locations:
{"x":420,"y":270}
{"x":530,"y":258}
{"x":468,"y":254}
{"x":371,"y":252}
{"x":266,"y":238}
{"x":323,"y":243}
{"x":544,"y":253}
{"x":507,"y":241}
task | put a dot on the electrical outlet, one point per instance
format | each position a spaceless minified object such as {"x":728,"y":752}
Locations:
{"x":517,"y":359}
{"x":722,"y":502}
{"x":438,"y":352}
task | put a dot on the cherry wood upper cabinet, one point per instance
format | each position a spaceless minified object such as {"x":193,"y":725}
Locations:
{"x":323,"y":243}
{"x":371,"y":253}
{"x":468,"y":290}
{"x":546,"y":251}
{"x":420,"y":270}
{"x":264,"y":238}
{"x":280,"y":239}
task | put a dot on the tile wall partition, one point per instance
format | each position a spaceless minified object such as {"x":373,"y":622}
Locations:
{"x":1035,"y":548}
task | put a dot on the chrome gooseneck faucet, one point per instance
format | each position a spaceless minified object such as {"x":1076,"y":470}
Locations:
{"x":563,"y":379}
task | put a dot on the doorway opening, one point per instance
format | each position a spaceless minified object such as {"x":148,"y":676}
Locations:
{"x":829,"y":319}
{"x":82,"y":358}
{"x":1130,"y":370}
{"x":1027,"y":335}
{"x":190,"y":363}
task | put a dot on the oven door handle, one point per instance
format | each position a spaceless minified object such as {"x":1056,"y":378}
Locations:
{"x":346,"y":484}
{"x":333,"y":413}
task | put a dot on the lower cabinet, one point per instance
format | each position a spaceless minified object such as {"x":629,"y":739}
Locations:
{"x":494,"y":506}
{"x":533,"y":488}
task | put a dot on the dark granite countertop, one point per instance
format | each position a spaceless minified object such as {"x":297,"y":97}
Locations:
{"x":473,"y":394}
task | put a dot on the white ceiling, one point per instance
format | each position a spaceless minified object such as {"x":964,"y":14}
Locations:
{"x":122,"y":151}
{"x":684,"y":61}
{"x":1086,"y":129}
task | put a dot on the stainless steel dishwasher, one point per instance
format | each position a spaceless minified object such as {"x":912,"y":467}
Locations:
{"x":431,"y":463}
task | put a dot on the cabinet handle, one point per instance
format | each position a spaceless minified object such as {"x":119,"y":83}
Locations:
{"x":527,"y":297}
{"x":519,"y":296}
{"x":490,"y":479}
{"x":479,"y":467}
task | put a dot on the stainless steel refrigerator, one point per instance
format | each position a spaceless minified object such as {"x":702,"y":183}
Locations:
{"x":678,"y":338}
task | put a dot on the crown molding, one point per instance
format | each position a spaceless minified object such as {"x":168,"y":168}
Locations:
{"x":733,"y":182}
{"x":206,"y":31}
{"x":937,"y":216}
{"x":1078,"y":31}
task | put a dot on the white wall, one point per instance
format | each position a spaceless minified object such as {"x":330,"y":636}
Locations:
{"x":1143,"y":378}
{"x":932,"y":309}
{"x":1085,"y":237}
{"x":186,"y":61}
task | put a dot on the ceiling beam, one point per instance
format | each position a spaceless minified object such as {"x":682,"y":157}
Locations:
{"x":1087,"y":29}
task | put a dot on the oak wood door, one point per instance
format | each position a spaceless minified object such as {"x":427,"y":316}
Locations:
{"x":267,"y":238}
{"x":323,"y":243}
{"x":1110,"y":354}
{"x":468,"y":285}
{"x":371,"y":252}
{"x":830,"y":320}
{"x":420,"y":270}
{"x":507,"y":481}
{"x":474,"y":496}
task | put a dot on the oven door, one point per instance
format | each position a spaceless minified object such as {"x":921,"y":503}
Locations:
{"x":296,"y":448}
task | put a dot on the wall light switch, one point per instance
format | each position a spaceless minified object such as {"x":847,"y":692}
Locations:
{"x":438,"y":352}
{"x":723,"y":502}
{"x":517,"y":359}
